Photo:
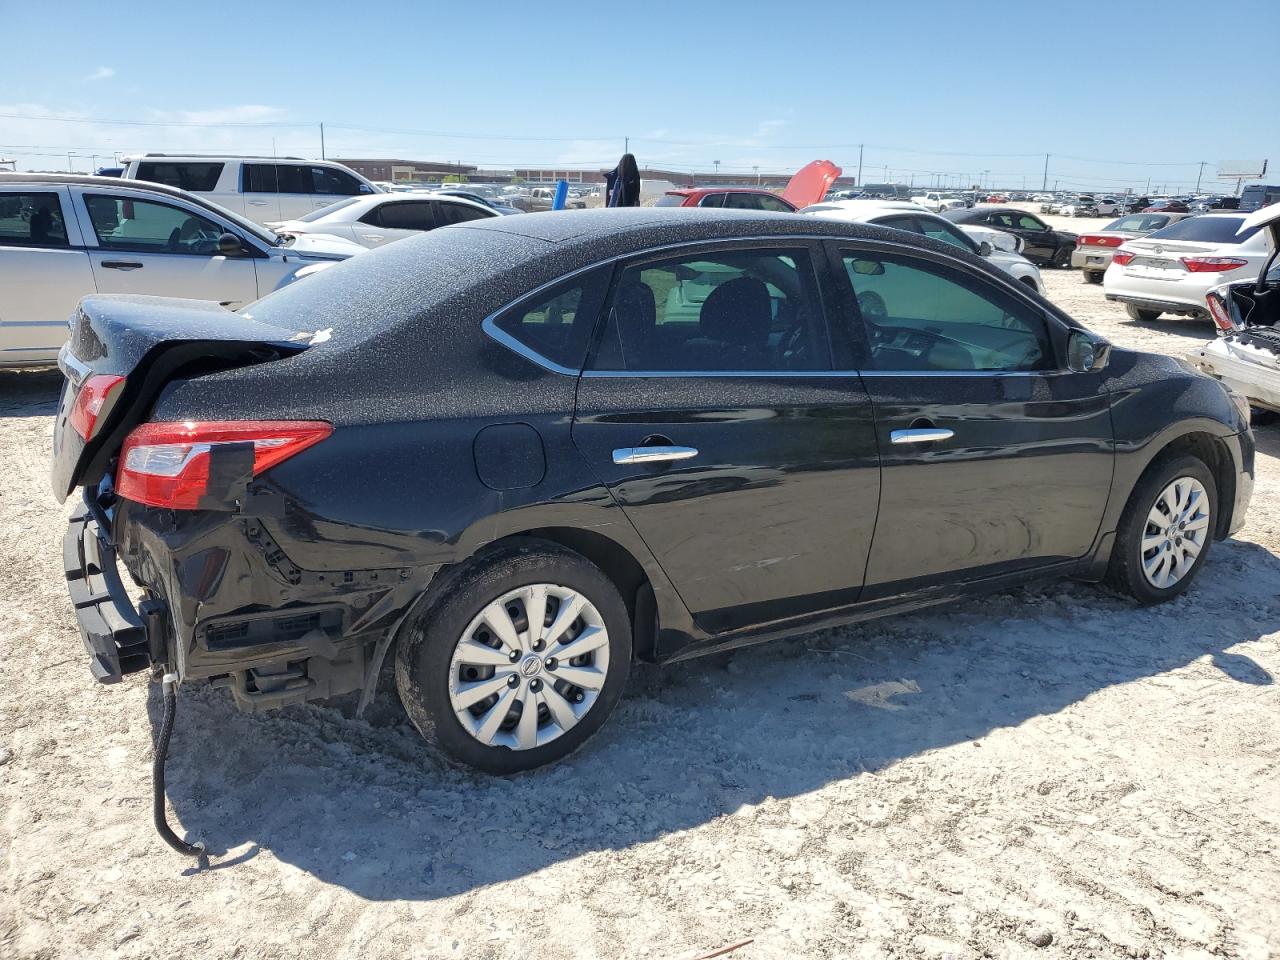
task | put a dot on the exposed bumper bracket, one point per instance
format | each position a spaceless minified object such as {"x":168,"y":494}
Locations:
{"x":113,"y":632}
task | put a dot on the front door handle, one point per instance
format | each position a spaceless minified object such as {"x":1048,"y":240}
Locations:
{"x":654,"y":454}
{"x":121,"y":265}
{"x":257,"y":203}
{"x":921,"y":435}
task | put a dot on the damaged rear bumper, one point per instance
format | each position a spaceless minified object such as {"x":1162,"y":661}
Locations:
{"x":114,"y":632}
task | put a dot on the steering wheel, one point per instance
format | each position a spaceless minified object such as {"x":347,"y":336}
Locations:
{"x":872,"y":306}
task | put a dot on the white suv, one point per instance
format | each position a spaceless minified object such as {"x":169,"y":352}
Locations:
{"x":63,"y":237}
{"x":264,"y":189}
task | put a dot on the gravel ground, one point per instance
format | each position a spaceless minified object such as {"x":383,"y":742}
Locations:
{"x":1050,"y":771}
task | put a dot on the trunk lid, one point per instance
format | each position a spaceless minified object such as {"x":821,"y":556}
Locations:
{"x":811,"y":183}
{"x":147,"y":341}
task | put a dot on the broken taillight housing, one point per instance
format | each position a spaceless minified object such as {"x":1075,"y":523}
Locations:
{"x":93,"y":402}
{"x":168,"y":464}
{"x":1220,"y":312}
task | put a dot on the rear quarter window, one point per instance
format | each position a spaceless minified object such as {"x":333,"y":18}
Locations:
{"x":556,"y":325}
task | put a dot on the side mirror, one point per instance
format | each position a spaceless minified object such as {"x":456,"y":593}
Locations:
{"x":229,"y":245}
{"x":985,"y":249}
{"x":1086,"y":352}
{"x":366,"y":189}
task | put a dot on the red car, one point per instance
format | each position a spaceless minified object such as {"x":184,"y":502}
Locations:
{"x":808,"y":186}
{"x":736,"y":198}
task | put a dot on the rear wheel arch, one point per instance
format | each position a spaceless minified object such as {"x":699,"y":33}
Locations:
{"x":614,"y":560}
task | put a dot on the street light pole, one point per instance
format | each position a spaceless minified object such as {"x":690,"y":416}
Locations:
{"x":1199,"y":175}
{"x":859,"y":165}
{"x":1044,"y":185}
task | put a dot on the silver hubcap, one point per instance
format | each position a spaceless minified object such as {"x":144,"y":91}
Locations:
{"x":529,"y":666}
{"x":1176,"y":532}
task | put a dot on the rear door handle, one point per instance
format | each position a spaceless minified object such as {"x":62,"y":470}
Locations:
{"x":257,"y":203}
{"x":121,"y":264}
{"x":921,"y":435}
{"x":654,"y":454}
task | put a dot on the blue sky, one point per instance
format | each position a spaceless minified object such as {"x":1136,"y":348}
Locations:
{"x":1115,"y":93}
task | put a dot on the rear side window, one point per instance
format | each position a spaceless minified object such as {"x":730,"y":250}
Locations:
{"x":1209,"y":229}
{"x":199,"y":177}
{"x":557,"y":325}
{"x":670,"y":200}
{"x":293,"y":178}
{"x":408,"y":215}
{"x":31,"y":220}
{"x":1139,"y":223}
{"x":712,"y":200}
{"x":260,"y":178}
{"x":752,"y":311}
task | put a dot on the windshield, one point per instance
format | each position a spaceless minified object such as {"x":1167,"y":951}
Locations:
{"x":328,"y":209}
{"x":1209,"y":229}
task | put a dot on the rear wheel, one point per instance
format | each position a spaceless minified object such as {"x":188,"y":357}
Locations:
{"x":1062,"y":259}
{"x":1166,"y":530}
{"x":1092,"y":276}
{"x":1143,"y":316}
{"x":519,"y":662}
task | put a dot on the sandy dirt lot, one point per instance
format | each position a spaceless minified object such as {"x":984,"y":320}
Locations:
{"x":1050,"y":772}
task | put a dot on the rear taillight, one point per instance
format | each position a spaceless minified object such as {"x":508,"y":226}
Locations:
{"x":1123,"y":258}
{"x":1090,"y":240}
{"x":93,"y":403}
{"x":1219,"y":313}
{"x":1213,"y":264}
{"x":168,"y":464}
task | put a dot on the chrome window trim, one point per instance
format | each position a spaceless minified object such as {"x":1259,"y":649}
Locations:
{"x":490,"y":327}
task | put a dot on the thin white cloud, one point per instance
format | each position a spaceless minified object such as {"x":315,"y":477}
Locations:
{"x":102,"y":73}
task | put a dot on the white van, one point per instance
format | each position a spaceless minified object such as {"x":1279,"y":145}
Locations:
{"x":263,"y":189}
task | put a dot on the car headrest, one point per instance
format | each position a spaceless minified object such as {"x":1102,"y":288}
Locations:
{"x":637,"y":309}
{"x":738,"y":312}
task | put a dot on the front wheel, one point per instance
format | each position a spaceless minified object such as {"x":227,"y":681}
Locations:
{"x":1165,"y":531}
{"x":1142,"y":316}
{"x":518,"y":662}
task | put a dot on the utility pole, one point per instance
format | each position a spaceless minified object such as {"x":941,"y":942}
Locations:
{"x":717,"y":163}
{"x":1199,"y":175}
{"x":626,"y":144}
{"x":322,"y":141}
{"x":69,"y":170}
{"x":1044,"y":185}
{"x":756,"y":170}
{"x":859,"y":165}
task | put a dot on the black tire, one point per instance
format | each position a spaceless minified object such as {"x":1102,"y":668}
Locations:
{"x":1093,"y":276}
{"x":1125,"y":572}
{"x":428,"y":640}
{"x":1261,"y":417}
{"x":1142,"y":316}
{"x":1062,"y":258}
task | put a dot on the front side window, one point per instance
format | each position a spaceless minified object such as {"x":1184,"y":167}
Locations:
{"x":200,"y":177}
{"x":732,"y":311}
{"x":447,"y":213}
{"x":939,"y":229}
{"x":332,"y":182}
{"x":31,"y":220}
{"x":919,"y":315}
{"x":557,"y":325}
{"x":1031,"y":223}
{"x":774,"y":204}
{"x":144,"y":226}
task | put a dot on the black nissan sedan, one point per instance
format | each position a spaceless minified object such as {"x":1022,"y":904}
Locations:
{"x":518,"y":454}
